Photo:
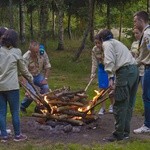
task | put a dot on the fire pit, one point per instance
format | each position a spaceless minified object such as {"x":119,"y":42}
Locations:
{"x":64,"y":105}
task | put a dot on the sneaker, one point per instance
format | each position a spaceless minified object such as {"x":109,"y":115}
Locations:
{"x":20,"y":137}
{"x":102,"y":111}
{"x":142,"y":129}
{"x":111,"y":138}
{"x":8,"y":131}
{"x":23,"y":110}
{"x":4,"y":139}
{"x":110,"y":109}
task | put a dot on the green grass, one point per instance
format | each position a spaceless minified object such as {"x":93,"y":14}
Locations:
{"x":66,"y":72}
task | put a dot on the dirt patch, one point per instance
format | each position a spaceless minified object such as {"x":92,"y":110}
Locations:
{"x":90,"y":133}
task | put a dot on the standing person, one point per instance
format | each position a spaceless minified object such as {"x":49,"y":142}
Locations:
{"x":135,"y":52}
{"x":11,"y":63}
{"x":2,"y":31}
{"x":38,"y":64}
{"x":118,"y":60}
{"x":97,"y":61}
{"x":141,"y":20}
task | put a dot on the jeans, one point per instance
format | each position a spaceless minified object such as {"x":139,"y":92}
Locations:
{"x":146,"y":96}
{"x":12,"y":97}
{"x":44,"y":88}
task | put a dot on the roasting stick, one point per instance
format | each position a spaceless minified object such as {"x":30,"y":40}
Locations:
{"x":88,"y":84}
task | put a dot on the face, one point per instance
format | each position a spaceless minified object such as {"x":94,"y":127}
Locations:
{"x":137,"y":34}
{"x":98,"y":43}
{"x":34,"y":48}
{"x":138,"y":23}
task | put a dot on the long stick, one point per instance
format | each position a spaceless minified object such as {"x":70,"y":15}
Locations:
{"x":88,"y":84}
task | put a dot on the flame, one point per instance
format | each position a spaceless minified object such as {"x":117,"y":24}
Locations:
{"x":94,"y":100}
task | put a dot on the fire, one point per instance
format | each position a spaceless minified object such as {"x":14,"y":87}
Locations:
{"x":91,"y":103}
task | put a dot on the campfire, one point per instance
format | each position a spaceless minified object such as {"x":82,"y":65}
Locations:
{"x":67,"y":106}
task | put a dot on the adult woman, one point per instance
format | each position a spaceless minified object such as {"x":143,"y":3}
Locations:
{"x":11,"y":63}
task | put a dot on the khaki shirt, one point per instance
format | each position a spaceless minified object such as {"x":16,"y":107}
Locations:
{"x":144,"y":56}
{"x":135,"y":51}
{"x":11,"y":63}
{"x":97,"y":57}
{"x":116,"y":55}
{"x":36,"y":67}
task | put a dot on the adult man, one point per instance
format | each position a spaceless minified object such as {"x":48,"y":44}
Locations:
{"x":119,"y":61}
{"x":141,"y":19}
{"x":39,"y":66}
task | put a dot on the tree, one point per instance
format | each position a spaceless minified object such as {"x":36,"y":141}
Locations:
{"x":60,"y":4}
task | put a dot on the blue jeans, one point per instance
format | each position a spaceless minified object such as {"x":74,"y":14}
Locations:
{"x":146,"y":96}
{"x":12,"y":97}
{"x":44,"y":88}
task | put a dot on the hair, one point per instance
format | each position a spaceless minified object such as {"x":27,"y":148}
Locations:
{"x":97,"y":37}
{"x":105,"y":35}
{"x":10,"y":38}
{"x":143,"y":15}
{"x":2,"y":31}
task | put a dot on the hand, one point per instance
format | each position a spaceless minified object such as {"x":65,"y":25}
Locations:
{"x":93,"y":76}
{"x":111,"y":84}
{"x":44,"y":82}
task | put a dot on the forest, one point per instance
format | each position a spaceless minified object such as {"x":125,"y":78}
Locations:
{"x":60,"y":20}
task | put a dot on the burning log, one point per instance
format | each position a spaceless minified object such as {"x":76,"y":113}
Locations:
{"x":59,"y":118}
{"x":68,"y":106}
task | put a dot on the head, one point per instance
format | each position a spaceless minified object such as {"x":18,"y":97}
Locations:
{"x":105,"y":34}
{"x":2,"y":31}
{"x":140,"y":19}
{"x":10,"y":38}
{"x":98,"y":41}
{"x":34,"y":47}
{"x":137,"y":33}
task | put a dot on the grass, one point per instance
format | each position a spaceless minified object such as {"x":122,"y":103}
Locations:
{"x":66,"y":72}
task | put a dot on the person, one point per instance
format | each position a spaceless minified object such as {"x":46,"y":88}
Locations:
{"x":141,"y":19}
{"x":135,"y":52}
{"x":118,"y":60}
{"x":2,"y":31}
{"x":38,"y":64}
{"x":11,"y":63}
{"x":97,"y":61}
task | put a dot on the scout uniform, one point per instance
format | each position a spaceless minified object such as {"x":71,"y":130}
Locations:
{"x":119,"y":61}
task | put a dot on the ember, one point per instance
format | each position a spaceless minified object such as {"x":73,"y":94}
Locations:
{"x":67,"y":106}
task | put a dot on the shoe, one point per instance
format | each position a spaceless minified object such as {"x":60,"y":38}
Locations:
{"x":110,"y":109}
{"x":8,"y":131}
{"x":23,"y":110}
{"x":20,"y":137}
{"x":142,"y":129}
{"x":4,"y":139}
{"x":112,"y":138}
{"x":126,"y":137}
{"x":102,"y":111}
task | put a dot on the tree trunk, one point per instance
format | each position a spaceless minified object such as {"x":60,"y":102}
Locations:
{"x":31,"y":23}
{"x":11,"y":14}
{"x":79,"y":51}
{"x":43,"y":21}
{"x":53,"y":24}
{"x":91,"y":17}
{"x":120,"y":24}
{"x":69,"y":26}
{"x":60,"y":4}
{"x":22,"y":22}
{"x":148,"y":8}
{"x":108,"y":14}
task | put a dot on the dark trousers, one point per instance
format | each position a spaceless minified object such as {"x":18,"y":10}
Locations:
{"x":126,"y":86}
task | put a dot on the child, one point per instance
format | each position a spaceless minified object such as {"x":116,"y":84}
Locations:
{"x":97,"y":61}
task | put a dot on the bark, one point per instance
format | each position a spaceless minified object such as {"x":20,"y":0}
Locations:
{"x":22,"y":22}
{"x":60,"y":4}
